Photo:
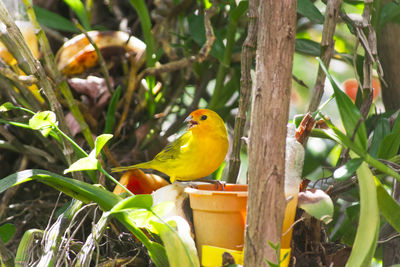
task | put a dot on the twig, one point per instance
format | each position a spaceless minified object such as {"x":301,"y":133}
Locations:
{"x":58,"y":78}
{"x":16,"y":44}
{"x":210,"y":37}
{"x":327,"y":49}
{"x":9,"y":74}
{"x":21,"y":82}
{"x":184,"y":62}
{"x":100,"y":58}
{"x":367,"y":64}
{"x":85,"y":254}
{"x":30,"y":152}
{"x":132,"y":85}
{"x":245,"y":91}
{"x":299,"y":81}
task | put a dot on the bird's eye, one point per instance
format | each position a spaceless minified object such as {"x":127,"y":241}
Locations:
{"x":204,"y":117}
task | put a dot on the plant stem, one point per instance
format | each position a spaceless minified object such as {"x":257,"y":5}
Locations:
{"x":115,"y":181}
{"x":56,"y":75}
{"x":75,"y":145}
{"x":20,"y":50}
{"x":28,"y":240}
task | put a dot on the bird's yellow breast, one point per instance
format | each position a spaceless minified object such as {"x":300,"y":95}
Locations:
{"x":200,"y":155}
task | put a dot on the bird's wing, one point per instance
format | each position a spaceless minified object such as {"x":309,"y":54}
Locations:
{"x":173,"y":150}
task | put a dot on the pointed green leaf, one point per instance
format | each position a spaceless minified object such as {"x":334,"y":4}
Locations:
{"x":139,"y":202}
{"x":7,"y":106}
{"x":112,"y":107}
{"x":53,"y":20}
{"x":72,"y":187}
{"x":309,"y":10}
{"x":43,"y":121}
{"x":381,"y":130}
{"x":156,"y":251}
{"x":7,"y":231}
{"x":368,"y":225}
{"x":349,"y":113}
{"x":80,"y":11}
{"x":389,"y":146}
{"x":87,"y":193}
{"x":101,"y":141}
{"x":83,"y":164}
{"x":347,"y":170}
{"x":180,"y":247}
{"x":308,"y":47}
{"x":391,"y":143}
{"x":388,"y":206}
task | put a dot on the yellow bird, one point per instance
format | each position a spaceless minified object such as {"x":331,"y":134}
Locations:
{"x":195,"y":154}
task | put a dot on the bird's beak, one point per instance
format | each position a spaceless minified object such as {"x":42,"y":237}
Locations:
{"x":191,"y":122}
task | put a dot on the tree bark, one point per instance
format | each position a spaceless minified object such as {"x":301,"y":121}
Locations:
{"x":388,"y":39}
{"x":269,"y":115}
{"x":389,"y":54}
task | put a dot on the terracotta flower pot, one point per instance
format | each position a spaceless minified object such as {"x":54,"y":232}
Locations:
{"x":219,"y":216}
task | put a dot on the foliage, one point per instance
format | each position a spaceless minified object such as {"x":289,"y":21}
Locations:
{"x":188,"y":64}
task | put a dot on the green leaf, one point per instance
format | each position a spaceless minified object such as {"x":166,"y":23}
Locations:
{"x":389,"y":12}
{"x":198,"y":34}
{"x":156,"y":251}
{"x":207,"y":4}
{"x":391,"y":143}
{"x":180,"y":247}
{"x":7,"y":106}
{"x":80,"y":11}
{"x":138,"y":202}
{"x":77,"y":189}
{"x":381,"y":130}
{"x":308,"y":47}
{"x":84,"y":164}
{"x":43,"y":121}
{"x":309,"y":10}
{"x":88,"y":193}
{"x":388,"y":206}
{"x":7,"y":231}
{"x":349,"y":113}
{"x":112,"y":107}
{"x":53,"y":20}
{"x":347,"y":170}
{"x":368,"y":225}
{"x":389,"y":146}
{"x":101,"y":140}
{"x":143,"y":13}
{"x":241,"y":8}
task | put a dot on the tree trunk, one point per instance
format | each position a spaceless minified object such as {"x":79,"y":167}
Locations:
{"x":389,"y":54}
{"x":269,"y":115}
{"x":388,"y":39}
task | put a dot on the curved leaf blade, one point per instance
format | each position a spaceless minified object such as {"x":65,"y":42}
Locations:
{"x":347,"y":170}
{"x":388,"y":206}
{"x":349,"y":113}
{"x":368,"y":226}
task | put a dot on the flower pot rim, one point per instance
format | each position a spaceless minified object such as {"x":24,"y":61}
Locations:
{"x":210,"y":189}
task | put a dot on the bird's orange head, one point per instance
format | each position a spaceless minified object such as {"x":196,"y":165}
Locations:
{"x":205,"y":120}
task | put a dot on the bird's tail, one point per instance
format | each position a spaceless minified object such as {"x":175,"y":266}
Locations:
{"x":144,"y":165}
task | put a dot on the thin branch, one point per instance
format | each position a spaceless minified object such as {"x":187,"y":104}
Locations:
{"x":327,"y":50}
{"x":245,"y":91}
{"x":58,"y":78}
{"x":100,"y":58}
{"x":15,"y":43}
